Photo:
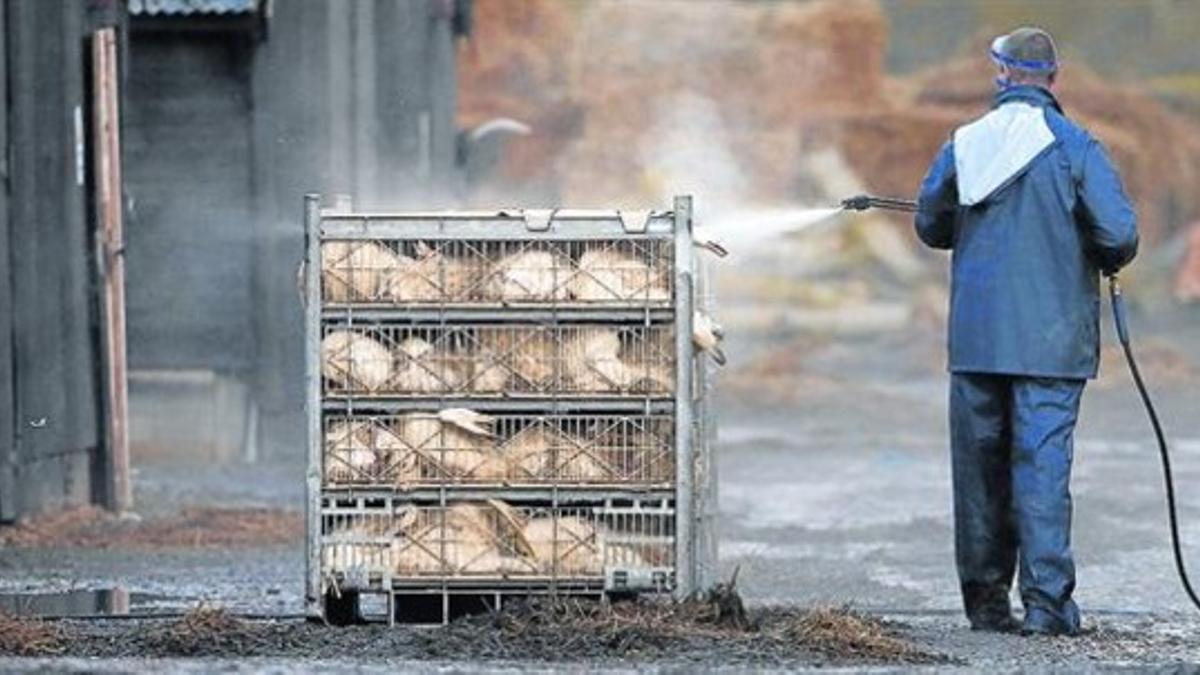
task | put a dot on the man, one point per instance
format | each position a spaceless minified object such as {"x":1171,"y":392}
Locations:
{"x":1033,"y":210}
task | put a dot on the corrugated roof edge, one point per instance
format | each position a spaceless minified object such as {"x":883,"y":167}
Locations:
{"x":191,"y":7}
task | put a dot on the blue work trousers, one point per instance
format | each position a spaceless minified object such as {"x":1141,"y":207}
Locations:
{"x":1012,"y":445}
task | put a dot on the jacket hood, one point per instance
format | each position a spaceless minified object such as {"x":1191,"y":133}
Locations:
{"x":995,"y":150}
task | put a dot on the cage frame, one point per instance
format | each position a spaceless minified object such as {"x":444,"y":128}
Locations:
{"x":692,"y":492}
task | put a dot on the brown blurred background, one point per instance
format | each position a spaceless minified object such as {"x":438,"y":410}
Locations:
{"x":752,"y":104}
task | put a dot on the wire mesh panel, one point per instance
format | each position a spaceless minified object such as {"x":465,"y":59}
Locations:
{"x":498,"y":360}
{"x":464,"y":271}
{"x":457,"y":446}
{"x":493,"y":539}
{"x":458,"y":356}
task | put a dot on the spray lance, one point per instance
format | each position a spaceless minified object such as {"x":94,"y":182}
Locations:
{"x":1121,"y":321}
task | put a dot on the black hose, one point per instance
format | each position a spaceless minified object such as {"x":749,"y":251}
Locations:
{"x":1119,"y":318}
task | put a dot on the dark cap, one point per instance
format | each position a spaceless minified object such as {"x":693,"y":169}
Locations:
{"x":1026,"y":48}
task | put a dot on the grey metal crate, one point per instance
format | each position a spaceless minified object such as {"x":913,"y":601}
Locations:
{"x":569,"y":327}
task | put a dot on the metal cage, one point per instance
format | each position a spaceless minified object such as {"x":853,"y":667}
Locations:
{"x":427,"y":450}
{"x":474,"y":541}
{"x":502,"y":403}
{"x":385,"y":272}
{"x":489,"y":360}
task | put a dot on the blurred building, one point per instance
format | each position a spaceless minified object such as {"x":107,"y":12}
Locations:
{"x":56,"y":426}
{"x":235,"y":109}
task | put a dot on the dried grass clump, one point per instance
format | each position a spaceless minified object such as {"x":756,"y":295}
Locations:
{"x":846,"y":634}
{"x":712,"y":623}
{"x":23,"y":636}
{"x":202,"y":630}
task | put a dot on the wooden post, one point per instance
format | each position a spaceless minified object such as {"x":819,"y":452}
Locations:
{"x":107,"y":142}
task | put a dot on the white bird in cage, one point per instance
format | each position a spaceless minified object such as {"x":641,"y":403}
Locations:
{"x":355,"y":271}
{"x":356,"y":450}
{"x":541,"y":454}
{"x":649,"y":362}
{"x":593,"y":361}
{"x":466,"y":538}
{"x":642,"y":452}
{"x":707,"y":336}
{"x":349,"y":455}
{"x":460,"y":449}
{"x":529,"y":275}
{"x":513,"y":358}
{"x":566,"y":544}
{"x":430,"y":277}
{"x":468,"y":420}
{"x":605,"y":274}
{"x":356,"y":362}
{"x":423,"y":369}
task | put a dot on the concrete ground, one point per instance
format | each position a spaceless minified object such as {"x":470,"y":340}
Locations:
{"x":838,"y":494}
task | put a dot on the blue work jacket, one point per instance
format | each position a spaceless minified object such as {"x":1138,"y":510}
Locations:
{"x":1034,"y":211}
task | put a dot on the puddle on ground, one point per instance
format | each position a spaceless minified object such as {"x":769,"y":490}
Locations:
{"x":107,"y":601}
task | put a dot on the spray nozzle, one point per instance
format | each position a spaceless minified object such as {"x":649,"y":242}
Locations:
{"x":857,"y":203}
{"x":864,"y":202}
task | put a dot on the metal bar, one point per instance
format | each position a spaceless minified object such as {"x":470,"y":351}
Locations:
{"x":342,"y":226}
{"x":543,"y":313}
{"x":432,"y":495}
{"x":706,"y":464}
{"x":684,"y":469}
{"x":560,"y":215}
{"x":107,"y":167}
{"x":314,"y":603}
{"x":367,"y":404}
{"x":333,"y":502}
